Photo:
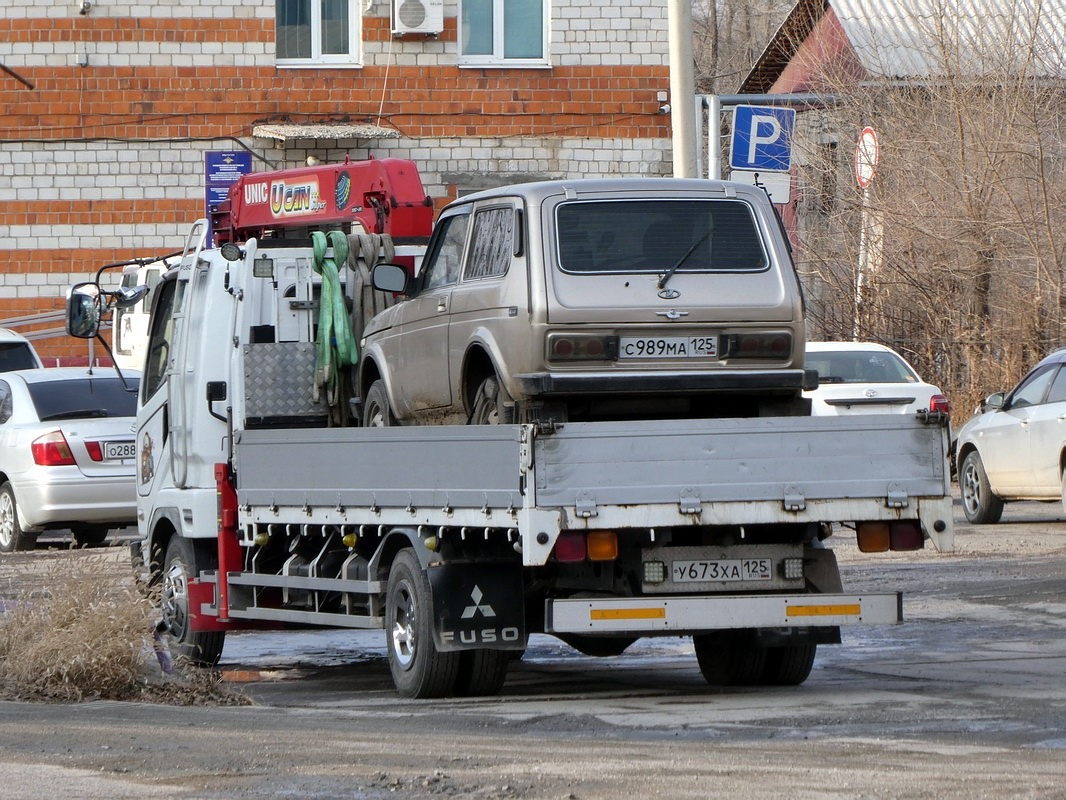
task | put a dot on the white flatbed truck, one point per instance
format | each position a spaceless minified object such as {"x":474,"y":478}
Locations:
{"x":258,"y":508}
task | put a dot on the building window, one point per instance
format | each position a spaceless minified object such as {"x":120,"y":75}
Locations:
{"x":316,"y":32}
{"x":503,"y":32}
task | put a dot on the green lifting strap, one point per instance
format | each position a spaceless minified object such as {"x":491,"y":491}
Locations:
{"x":336,"y":348}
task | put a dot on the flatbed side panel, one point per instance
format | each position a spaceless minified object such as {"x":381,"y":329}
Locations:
{"x":741,"y":460}
{"x":420,"y":467}
{"x":689,"y":614}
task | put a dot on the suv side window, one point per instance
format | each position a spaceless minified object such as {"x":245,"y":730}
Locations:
{"x":5,"y":402}
{"x":492,"y":243}
{"x":1057,"y":394}
{"x":1031,"y":391}
{"x":442,"y":268}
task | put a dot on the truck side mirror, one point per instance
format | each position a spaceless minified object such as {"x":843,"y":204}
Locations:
{"x":84,"y":310}
{"x":390,"y":278}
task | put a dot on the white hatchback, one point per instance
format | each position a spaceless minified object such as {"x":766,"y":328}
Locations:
{"x":67,"y":454}
{"x":867,"y":378}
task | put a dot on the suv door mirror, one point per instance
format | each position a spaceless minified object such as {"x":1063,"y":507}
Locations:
{"x":993,"y":401}
{"x":84,"y":310}
{"x":390,"y":278}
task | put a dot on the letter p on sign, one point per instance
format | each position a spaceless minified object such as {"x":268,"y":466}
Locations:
{"x":762,"y":138}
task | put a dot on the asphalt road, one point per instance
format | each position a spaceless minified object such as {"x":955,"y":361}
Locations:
{"x":966,"y":699}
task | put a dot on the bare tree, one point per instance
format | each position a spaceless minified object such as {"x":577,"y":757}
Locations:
{"x":969,"y":191}
{"x":728,"y":36}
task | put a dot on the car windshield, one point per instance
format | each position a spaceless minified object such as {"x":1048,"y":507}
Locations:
{"x":627,"y":236}
{"x":92,"y":397}
{"x":860,"y":367}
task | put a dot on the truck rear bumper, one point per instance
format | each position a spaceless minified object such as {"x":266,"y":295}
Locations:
{"x":647,"y":616}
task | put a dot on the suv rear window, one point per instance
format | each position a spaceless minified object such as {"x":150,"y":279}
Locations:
{"x":16,"y":355}
{"x":94,"y":397}
{"x":622,"y":236}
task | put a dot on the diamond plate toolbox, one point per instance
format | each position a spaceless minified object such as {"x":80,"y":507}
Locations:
{"x":278,"y":380}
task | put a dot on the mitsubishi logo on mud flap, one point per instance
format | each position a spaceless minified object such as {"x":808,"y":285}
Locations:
{"x":485,"y":609}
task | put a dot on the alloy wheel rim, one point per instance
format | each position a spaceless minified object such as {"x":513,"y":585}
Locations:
{"x":403,"y":628}
{"x":7,"y":520}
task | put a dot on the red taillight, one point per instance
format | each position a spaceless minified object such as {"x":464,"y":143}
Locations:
{"x":582,"y":347}
{"x":570,"y":547}
{"x":777,"y":346}
{"x":96,"y":452}
{"x":52,"y":450}
{"x":939,"y":403}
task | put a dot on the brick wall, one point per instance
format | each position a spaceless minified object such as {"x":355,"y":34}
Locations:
{"x":105,"y":118}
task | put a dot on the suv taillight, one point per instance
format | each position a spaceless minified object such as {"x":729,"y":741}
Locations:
{"x":52,"y":450}
{"x":582,"y":347}
{"x":776,"y":345}
{"x":939,"y":403}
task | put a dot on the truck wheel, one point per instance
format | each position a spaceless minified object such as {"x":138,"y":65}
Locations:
{"x":979,"y":503}
{"x":489,"y":408}
{"x":788,"y":665}
{"x":12,"y":537}
{"x":88,"y":535}
{"x":418,"y":669}
{"x":481,"y":672}
{"x":200,"y":648}
{"x":730,"y":658}
{"x":376,"y":411}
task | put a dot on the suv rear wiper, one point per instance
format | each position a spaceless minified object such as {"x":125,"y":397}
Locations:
{"x":670,"y":272}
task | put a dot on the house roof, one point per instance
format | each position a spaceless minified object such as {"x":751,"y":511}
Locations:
{"x":903,"y":39}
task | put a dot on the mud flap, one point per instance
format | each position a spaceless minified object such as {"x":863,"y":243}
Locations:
{"x":478,"y":606}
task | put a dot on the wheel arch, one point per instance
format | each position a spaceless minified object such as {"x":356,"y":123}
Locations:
{"x":396,"y":540}
{"x":370,"y":371}
{"x":480,"y":362}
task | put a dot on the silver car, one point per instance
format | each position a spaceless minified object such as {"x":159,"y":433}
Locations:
{"x":592,"y":299}
{"x":1015,"y":447}
{"x":67,"y":454}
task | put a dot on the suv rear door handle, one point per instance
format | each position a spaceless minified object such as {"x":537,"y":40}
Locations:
{"x":442,"y":304}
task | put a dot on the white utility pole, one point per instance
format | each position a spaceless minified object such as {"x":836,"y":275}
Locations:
{"x":682,"y":89}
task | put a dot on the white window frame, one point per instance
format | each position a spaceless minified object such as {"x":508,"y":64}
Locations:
{"x":497,"y":59}
{"x":354,"y":56}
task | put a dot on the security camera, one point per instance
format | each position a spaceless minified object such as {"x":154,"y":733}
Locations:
{"x":84,"y":6}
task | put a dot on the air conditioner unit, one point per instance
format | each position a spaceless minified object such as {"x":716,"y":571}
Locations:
{"x":417,"y":16}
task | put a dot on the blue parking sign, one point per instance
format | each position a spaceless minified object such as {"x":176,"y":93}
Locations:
{"x":762,"y":138}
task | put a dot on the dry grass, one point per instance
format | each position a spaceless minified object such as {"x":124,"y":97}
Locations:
{"x":85,"y":631}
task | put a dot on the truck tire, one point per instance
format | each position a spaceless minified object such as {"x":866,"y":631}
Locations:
{"x":481,"y":672}
{"x":489,"y":408}
{"x":730,"y":658}
{"x":199,"y":648}
{"x":980,"y":505}
{"x":376,"y":411}
{"x":12,"y":537}
{"x":788,"y":665}
{"x":88,"y":535}
{"x":419,"y":670}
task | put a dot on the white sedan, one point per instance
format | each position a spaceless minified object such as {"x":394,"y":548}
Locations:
{"x":867,"y":378}
{"x":67,"y":454}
